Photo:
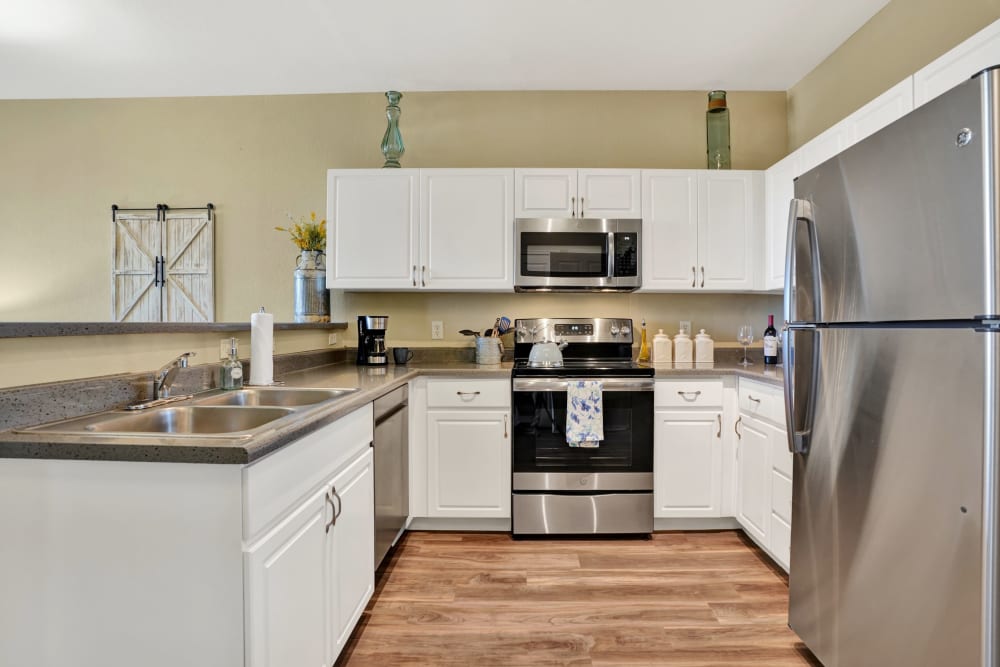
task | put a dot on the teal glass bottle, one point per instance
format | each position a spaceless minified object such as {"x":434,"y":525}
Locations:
{"x":717,"y":131}
{"x":392,"y":142}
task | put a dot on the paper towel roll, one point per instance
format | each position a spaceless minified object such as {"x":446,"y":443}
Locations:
{"x":261,"y":348}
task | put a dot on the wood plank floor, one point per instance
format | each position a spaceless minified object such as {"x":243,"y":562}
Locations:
{"x":477,"y":599}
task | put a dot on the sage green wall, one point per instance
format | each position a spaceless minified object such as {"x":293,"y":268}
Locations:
{"x":902,"y":38}
{"x":64,"y":162}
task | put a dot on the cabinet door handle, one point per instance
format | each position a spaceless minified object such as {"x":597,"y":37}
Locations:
{"x":423,"y":270}
{"x":703,"y":276}
{"x":333,"y":512}
{"x":505,"y":426}
{"x":581,"y":207}
{"x":340,"y":505}
{"x":736,"y":427}
{"x":719,"y":434}
{"x":573,"y":205}
{"x":467,"y":393}
{"x":755,"y":400}
{"x":696,"y":394}
{"x":694,"y":277}
{"x":413,"y":274}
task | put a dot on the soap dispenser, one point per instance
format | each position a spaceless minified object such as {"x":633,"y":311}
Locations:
{"x":662,"y":348}
{"x":704,"y":349}
{"x":231,"y":372}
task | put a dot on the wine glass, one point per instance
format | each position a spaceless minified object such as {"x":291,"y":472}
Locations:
{"x":745,"y":337}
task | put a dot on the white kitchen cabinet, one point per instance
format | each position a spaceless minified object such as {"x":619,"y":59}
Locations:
{"x":891,"y":105}
{"x":460,"y":453}
{"x":779,"y":190}
{"x":350,"y":568}
{"x":753,"y":476}
{"x":372,"y":224}
{"x":468,"y":463}
{"x":287,"y":582}
{"x":687,"y":463}
{"x":822,"y":147}
{"x":702,"y":230}
{"x":975,"y":54}
{"x":466,"y":229}
{"x":409,"y":229}
{"x":577,"y":193}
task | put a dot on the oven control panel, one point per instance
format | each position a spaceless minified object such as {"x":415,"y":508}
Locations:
{"x":574,"y":330}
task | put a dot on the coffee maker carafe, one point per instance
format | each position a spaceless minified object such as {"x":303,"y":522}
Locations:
{"x":371,"y":340}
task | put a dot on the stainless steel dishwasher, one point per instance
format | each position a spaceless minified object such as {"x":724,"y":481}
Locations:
{"x":391,"y":461}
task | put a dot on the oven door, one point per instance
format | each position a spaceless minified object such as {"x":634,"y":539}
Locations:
{"x":575,"y":255}
{"x":539,"y":431}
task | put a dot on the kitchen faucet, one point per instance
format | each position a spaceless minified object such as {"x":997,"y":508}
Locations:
{"x":164,"y":377}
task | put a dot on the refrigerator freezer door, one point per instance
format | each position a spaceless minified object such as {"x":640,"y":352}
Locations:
{"x":901,"y":223}
{"x":886,"y":545}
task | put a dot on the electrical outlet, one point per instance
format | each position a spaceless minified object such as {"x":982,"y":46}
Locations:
{"x":686,"y":326}
{"x":437,"y":330}
{"x":331,"y":339}
{"x":224,"y":348}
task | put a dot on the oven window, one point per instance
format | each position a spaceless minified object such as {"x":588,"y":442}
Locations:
{"x":539,"y":435}
{"x":564,"y":254}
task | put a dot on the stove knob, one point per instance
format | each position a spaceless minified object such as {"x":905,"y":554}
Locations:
{"x":614,"y":329}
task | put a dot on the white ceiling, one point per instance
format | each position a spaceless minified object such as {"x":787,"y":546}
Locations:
{"x":140,"y":48}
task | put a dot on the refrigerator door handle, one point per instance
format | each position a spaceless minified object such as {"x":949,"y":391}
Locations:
{"x":800,"y":216}
{"x":800,"y":351}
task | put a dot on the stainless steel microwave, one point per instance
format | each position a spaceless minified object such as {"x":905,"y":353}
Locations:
{"x":577,"y":255}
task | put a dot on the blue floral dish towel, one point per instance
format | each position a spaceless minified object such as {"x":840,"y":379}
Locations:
{"x":584,"y":413}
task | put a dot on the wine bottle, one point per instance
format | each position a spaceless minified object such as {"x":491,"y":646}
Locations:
{"x":770,"y":342}
{"x":717,"y":131}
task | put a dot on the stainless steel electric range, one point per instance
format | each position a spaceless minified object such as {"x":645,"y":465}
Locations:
{"x":563,"y":490}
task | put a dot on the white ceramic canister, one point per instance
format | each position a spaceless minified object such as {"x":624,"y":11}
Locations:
{"x":662,"y":348}
{"x":704,"y":349}
{"x":682,"y":349}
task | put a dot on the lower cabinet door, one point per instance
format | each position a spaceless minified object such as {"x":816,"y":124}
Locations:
{"x":351,"y":563}
{"x":687,"y":464}
{"x":468,"y":464}
{"x":753,"y":477}
{"x":286,"y":596}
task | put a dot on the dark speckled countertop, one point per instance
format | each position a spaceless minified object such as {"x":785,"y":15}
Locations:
{"x":371,"y":382}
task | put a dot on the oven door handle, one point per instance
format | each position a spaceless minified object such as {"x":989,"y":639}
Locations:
{"x":561,"y":385}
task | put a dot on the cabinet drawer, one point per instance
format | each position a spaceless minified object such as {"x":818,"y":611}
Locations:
{"x":688,"y":394}
{"x":781,"y":458}
{"x":763,"y":401}
{"x":468,"y":394}
{"x":277,"y":483}
{"x":781,"y":496}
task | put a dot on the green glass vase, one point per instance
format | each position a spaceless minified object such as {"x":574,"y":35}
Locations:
{"x":717,"y":130}
{"x":392,"y":142}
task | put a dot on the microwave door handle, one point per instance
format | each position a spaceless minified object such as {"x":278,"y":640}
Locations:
{"x":611,"y":256}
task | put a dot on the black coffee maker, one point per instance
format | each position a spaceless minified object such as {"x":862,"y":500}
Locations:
{"x":371,"y":340}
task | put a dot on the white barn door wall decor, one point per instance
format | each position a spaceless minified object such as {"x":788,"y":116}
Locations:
{"x":163,"y":267}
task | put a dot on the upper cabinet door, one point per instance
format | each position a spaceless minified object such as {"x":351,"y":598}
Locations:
{"x":729,"y":241}
{"x":609,"y":193}
{"x":822,"y":148}
{"x":975,"y":54}
{"x":779,"y":190}
{"x":891,"y":105}
{"x":467,"y":229}
{"x":545,"y":193}
{"x":669,"y":229}
{"x":372,"y":219}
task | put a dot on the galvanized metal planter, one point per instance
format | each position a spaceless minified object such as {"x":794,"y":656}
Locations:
{"x":312,"y":301}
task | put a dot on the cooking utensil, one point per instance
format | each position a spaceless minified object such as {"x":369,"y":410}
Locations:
{"x":547,"y":354}
{"x":496,"y":328}
{"x":504,"y":325}
{"x":468,"y":332}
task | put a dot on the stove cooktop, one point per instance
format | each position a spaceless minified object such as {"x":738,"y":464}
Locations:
{"x":585,"y":368}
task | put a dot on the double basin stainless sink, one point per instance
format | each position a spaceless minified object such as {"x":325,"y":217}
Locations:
{"x":232,"y":413}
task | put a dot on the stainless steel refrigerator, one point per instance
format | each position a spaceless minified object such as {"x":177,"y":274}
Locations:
{"x":892,"y":342}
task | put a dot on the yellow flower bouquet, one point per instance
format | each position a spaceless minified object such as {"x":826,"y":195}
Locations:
{"x":307,"y":234}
